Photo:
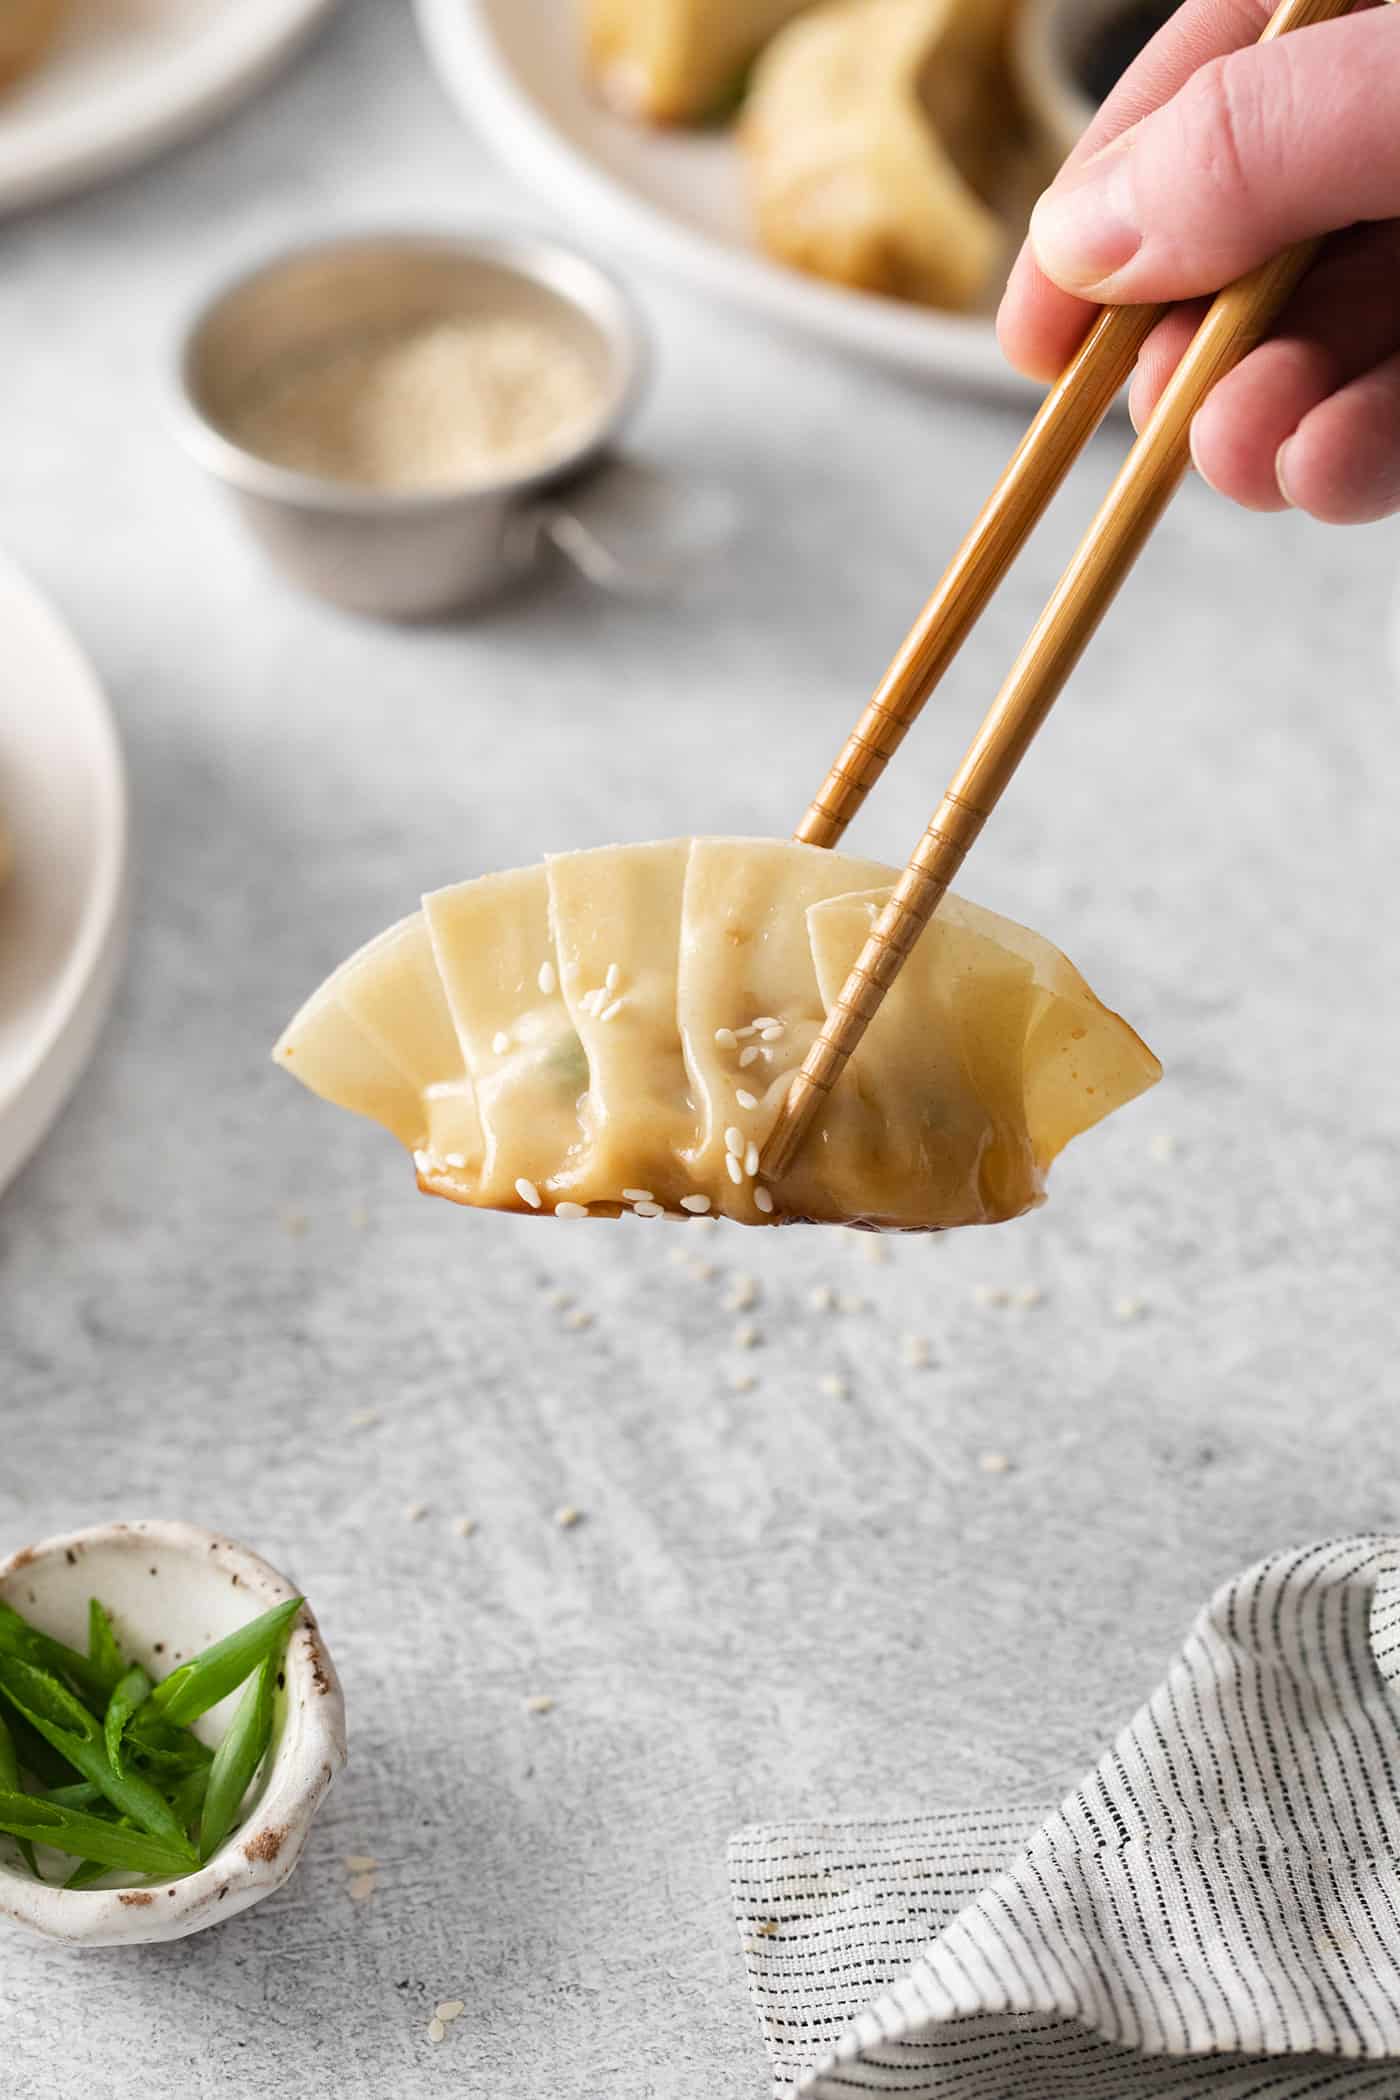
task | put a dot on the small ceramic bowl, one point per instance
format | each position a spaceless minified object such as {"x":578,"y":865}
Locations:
{"x":180,"y":1587}
{"x":401,"y":553}
{"x":1051,"y":45}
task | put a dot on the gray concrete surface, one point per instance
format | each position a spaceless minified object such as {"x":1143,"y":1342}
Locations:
{"x":778,"y":1601}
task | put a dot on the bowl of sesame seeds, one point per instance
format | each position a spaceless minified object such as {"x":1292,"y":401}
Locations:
{"x":391,"y":413}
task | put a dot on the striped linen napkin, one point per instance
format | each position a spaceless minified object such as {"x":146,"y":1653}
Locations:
{"x":1215,"y":1909}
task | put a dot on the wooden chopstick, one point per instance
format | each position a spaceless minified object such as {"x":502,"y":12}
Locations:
{"x":1063,"y":425}
{"x":1148,"y":479}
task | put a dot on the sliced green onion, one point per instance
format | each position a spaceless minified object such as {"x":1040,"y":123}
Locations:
{"x":9,"y":1784}
{"x":88,"y":1837}
{"x":131,"y":1692}
{"x":18,"y":1638}
{"x":236,"y":1761}
{"x":103,"y":1652}
{"x":206,"y":1679}
{"x":64,"y":1722}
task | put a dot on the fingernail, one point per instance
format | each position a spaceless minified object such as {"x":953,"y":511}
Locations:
{"x":1084,"y":229}
{"x":1281,"y":473}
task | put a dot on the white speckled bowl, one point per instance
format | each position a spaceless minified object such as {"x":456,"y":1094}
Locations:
{"x":181,"y":1587}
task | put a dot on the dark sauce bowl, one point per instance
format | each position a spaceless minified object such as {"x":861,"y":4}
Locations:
{"x":1069,"y":54}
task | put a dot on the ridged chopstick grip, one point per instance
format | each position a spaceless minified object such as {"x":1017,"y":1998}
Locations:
{"x":1145,"y":485}
{"x":1067,"y":418}
{"x":1063,"y":425}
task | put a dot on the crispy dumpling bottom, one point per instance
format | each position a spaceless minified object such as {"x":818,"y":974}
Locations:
{"x":617,"y":1030}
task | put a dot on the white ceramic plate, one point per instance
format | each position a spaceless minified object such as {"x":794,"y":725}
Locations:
{"x":514,"y":68}
{"x":128,"y":77}
{"x":62,"y":905}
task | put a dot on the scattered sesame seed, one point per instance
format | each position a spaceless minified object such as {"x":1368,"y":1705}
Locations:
{"x":362,"y":1888}
{"x":1129,"y":1308}
{"x":648,"y":1210}
{"x":568,"y":1516}
{"x":612,"y":978}
{"x":752,"y":1029}
{"x":547,"y":980}
{"x":744,"y":1098}
{"x":743,"y":1382}
{"x":746,"y":1335}
{"x":1162,"y":1146}
{"x":850,"y":1302}
{"x":736,"y":1171}
{"x":994,"y":1462}
{"x":763,"y":1199}
{"x":578,"y":1319}
{"x":742,"y":1294}
{"x":360,"y":1862}
{"x":294,"y":1223}
{"x":991,"y":1294}
{"x":415,"y":1512}
{"x":766,"y":1021}
{"x":571,"y":1210}
{"x":528,"y":1193}
{"x":464,"y":1527}
{"x":696,"y":1205}
{"x":821,"y":1297}
{"x":364,"y":1418}
{"x":833,"y":1386}
{"x":359,"y":1216}
{"x":456,"y":1159}
{"x":875,"y":1251}
{"x":747,"y":1056}
{"x":766,"y":1928}
{"x":437,"y":2032}
{"x":734,"y":1140}
{"x":450,"y":2009}
{"x":539,"y":1703}
{"x":751,"y":1159}
{"x":702,"y":1271}
{"x":1030,"y":1294}
{"x":424,"y":1162}
{"x":638,"y":1196}
{"x":770,"y":1035}
{"x":610,"y":1012}
{"x":915,"y":1351}
{"x":500,"y":1042}
{"x":726,"y":1039}
{"x":560,"y":1299}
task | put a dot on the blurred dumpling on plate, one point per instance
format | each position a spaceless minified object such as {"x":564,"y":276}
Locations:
{"x":27,"y":28}
{"x":678,"y":61}
{"x":879,"y":135}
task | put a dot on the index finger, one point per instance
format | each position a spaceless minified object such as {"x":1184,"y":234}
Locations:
{"x":1039,"y":326}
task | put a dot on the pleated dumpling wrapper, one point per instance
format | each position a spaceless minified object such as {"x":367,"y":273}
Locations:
{"x":617,"y":1030}
{"x":874,"y":134}
{"x":678,"y":61}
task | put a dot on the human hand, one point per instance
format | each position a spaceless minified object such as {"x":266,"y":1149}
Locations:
{"x":1212,"y":154}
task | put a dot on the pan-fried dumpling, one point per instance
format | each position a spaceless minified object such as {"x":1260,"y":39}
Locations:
{"x":875,"y":132}
{"x":617,"y":1030}
{"x":27,"y":28}
{"x":678,"y":61}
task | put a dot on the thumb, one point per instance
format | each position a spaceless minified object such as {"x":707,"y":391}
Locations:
{"x":1259,"y":149}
